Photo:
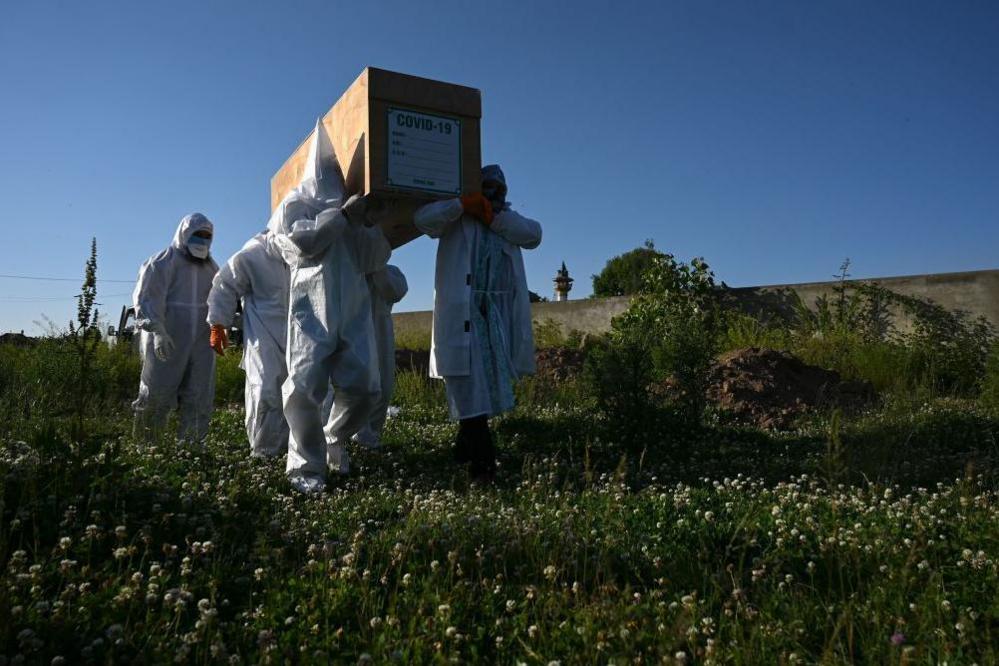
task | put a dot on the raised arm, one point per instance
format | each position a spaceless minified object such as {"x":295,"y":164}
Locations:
{"x":434,"y":219}
{"x":517,"y":229}
{"x":302,"y":231}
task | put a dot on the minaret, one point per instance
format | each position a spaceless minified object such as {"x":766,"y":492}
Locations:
{"x":563,"y":283}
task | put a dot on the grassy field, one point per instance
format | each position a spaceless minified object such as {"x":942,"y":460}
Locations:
{"x":872,"y":539}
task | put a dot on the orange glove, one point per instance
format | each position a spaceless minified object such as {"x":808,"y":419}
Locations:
{"x":478,"y":206}
{"x":219,"y":338}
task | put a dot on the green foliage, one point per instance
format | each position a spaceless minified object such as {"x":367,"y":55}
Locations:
{"x":39,"y":384}
{"x":415,"y":390}
{"x":990,"y":382}
{"x":855,"y":332}
{"x":549,"y":334}
{"x":230,"y":380}
{"x":855,"y":539}
{"x":111,"y":553}
{"x":413,"y":340}
{"x":743,"y":330}
{"x":949,"y":348}
{"x":662,"y":346}
{"x":85,"y":336}
{"x":624,"y":274}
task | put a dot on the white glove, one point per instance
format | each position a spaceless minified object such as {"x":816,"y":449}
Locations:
{"x":162,"y":345}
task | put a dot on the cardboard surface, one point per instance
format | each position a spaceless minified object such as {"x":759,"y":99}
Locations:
{"x":358,"y":128}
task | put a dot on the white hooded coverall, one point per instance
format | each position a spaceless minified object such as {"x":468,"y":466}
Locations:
{"x":388,"y":286}
{"x":456,"y":352}
{"x":171,"y":300}
{"x":330,"y":333}
{"x":258,"y":276}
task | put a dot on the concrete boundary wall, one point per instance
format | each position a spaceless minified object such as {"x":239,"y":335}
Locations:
{"x":975,"y":292}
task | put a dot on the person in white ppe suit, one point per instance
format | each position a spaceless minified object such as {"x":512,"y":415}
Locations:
{"x":329,"y":250}
{"x":482,"y":337}
{"x":171,"y":303}
{"x":257,"y":277}
{"x":388,"y":286}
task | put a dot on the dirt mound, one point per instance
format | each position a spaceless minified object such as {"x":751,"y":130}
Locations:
{"x":770,"y":388}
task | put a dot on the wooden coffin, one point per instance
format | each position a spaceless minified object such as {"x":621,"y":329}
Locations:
{"x":401,"y":141}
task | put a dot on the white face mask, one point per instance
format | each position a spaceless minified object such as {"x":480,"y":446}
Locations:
{"x":198,"y":247}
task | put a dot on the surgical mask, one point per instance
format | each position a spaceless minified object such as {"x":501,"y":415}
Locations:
{"x":198,"y":247}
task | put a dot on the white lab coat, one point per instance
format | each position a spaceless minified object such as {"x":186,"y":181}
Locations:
{"x":451,"y":342}
{"x":258,"y":277}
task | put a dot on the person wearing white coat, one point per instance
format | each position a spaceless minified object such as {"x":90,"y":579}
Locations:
{"x":330,"y":333}
{"x":257,"y":277}
{"x":482,"y":337}
{"x":178,"y":366}
{"x":388,"y":286}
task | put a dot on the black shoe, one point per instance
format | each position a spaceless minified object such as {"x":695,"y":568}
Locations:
{"x":483,"y":467}
{"x":464,"y":442}
{"x":462,"y":452}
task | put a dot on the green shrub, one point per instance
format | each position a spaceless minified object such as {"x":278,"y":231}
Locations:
{"x":548,"y":334}
{"x":743,"y":330}
{"x":413,"y":340}
{"x":40,"y":382}
{"x":990,"y":382}
{"x":416,"y":389}
{"x":230,"y":380}
{"x":659,"y":351}
{"x":618,"y":374}
{"x":949,"y":348}
{"x":854,"y":332}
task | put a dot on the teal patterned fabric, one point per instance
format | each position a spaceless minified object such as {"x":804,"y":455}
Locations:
{"x":489,"y":289}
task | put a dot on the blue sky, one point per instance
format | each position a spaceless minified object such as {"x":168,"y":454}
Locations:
{"x":773,"y":138}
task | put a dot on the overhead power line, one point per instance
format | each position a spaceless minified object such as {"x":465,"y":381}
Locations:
{"x":57,"y":279}
{"x":35,"y":299}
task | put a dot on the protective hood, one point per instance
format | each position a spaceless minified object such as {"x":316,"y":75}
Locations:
{"x":322,"y":178}
{"x":187,"y":228}
{"x":495,"y":173}
{"x":321,"y":186}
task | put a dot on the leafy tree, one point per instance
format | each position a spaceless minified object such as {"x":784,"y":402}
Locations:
{"x":623,"y":275}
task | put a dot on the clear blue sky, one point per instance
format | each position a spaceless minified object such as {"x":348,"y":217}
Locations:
{"x":773,"y":138}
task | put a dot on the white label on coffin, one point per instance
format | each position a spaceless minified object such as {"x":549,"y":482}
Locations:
{"x":424,"y":151}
